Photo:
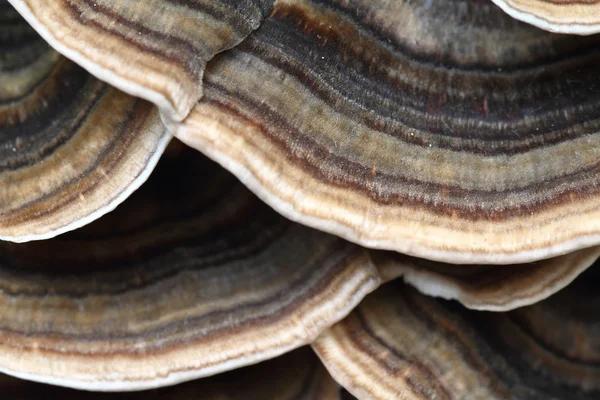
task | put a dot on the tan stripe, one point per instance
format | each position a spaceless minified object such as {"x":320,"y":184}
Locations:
{"x":155,"y":49}
{"x":73,"y":146}
{"x":160,"y":292}
{"x":488,"y":287}
{"x":293,"y":136}
{"x":398,"y":340}
{"x":295,"y":376}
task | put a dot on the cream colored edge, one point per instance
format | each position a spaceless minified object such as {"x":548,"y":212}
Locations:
{"x":327,"y":347}
{"x":341,"y":230}
{"x":573,"y":29}
{"x":135,"y":184}
{"x":103,"y":74}
{"x":130,"y":386}
{"x":445,"y":289}
{"x":346,"y":300}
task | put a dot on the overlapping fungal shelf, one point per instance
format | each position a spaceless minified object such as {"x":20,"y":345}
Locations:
{"x":294,"y":376}
{"x":401,"y":344}
{"x":487,"y":287}
{"x":155,"y":293}
{"x":411,"y":187}
{"x":443,"y":129}
{"x":153,"y":49}
{"x":564,"y":16}
{"x":71,"y":147}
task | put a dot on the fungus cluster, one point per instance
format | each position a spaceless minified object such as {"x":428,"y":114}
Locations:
{"x":410,"y":187}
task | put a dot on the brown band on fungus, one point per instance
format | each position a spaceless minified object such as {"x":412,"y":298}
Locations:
{"x":71,"y":147}
{"x":298,"y":375}
{"x":401,"y":344}
{"x":154,"y":49}
{"x":487,"y":287}
{"x":445,"y":130}
{"x":191,"y":276}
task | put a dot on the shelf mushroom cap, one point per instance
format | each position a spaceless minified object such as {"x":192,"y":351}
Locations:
{"x":298,"y":375}
{"x":401,"y":344}
{"x":571,"y":16}
{"x":190,"y":277}
{"x":487,"y":287}
{"x":154,"y":49}
{"x":72,"y":147}
{"x":443,"y":130}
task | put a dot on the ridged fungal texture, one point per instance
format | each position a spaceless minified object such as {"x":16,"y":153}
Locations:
{"x":442,"y":129}
{"x":152,"y":294}
{"x":354,"y":146}
{"x":154,"y":49}
{"x":71,"y":146}
{"x":399,"y":344}
{"x":294,"y":376}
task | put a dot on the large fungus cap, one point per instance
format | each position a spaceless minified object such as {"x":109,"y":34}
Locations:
{"x":154,"y":49}
{"x":191,"y":276}
{"x":441,"y":129}
{"x":298,"y":375}
{"x":564,"y":16}
{"x":71,"y":147}
{"x":487,"y":287}
{"x":399,"y":344}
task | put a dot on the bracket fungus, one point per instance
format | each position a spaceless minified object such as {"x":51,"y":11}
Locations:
{"x":294,"y":376}
{"x":152,"y":295}
{"x":487,"y":287}
{"x":153,"y":49}
{"x":475,"y":143}
{"x":442,"y":129}
{"x":399,"y":344}
{"x":71,"y":146}
{"x":445,"y":132}
{"x":570,"y":16}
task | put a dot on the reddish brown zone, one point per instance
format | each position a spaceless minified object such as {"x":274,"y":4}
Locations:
{"x":331,"y":30}
{"x":317,"y":160}
{"x":110,"y":159}
{"x":356,"y":327}
{"x":51,"y":342}
{"x":188,"y":66}
{"x":364,"y":54}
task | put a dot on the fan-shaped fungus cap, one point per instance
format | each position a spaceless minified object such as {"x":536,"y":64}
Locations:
{"x":570,"y":16}
{"x":400,"y":344}
{"x":71,"y":147}
{"x":298,"y":375}
{"x":191,"y":276}
{"x":487,"y":287}
{"x":154,"y":49}
{"x":441,"y":129}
